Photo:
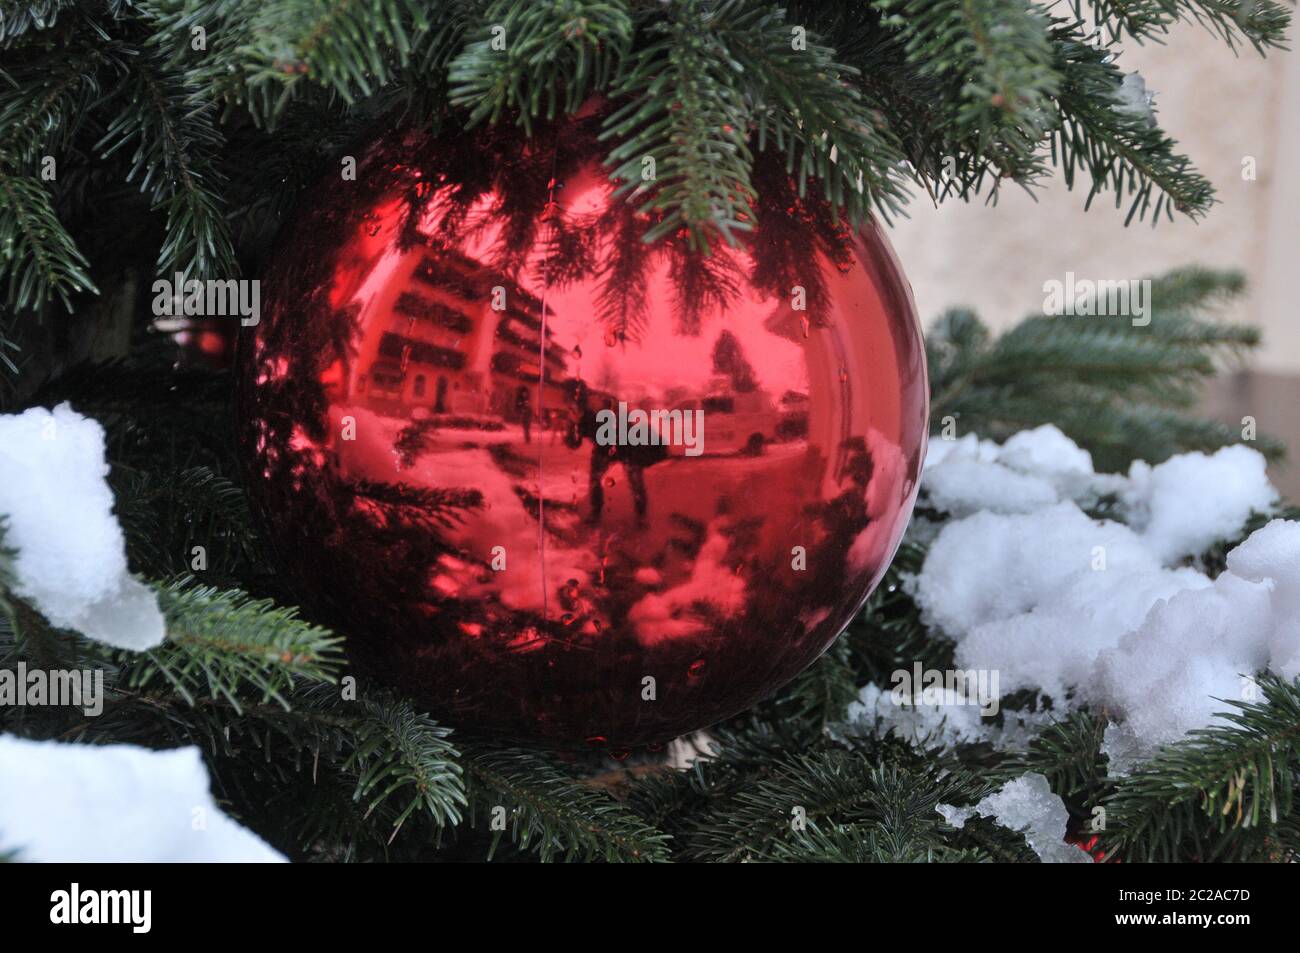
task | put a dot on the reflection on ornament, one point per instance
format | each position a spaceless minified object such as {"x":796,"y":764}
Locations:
{"x":422,"y":407}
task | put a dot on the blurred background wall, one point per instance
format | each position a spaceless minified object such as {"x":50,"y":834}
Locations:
{"x":996,"y":258}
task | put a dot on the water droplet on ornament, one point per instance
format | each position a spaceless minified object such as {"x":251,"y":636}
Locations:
{"x":609,"y":481}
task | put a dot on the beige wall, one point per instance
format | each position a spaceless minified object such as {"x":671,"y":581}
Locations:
{"x":1221,"y":107}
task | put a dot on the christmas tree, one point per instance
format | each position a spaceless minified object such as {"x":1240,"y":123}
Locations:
{"x":142,"y":140}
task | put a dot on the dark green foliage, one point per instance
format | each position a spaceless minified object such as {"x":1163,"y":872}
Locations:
{"x":405,"y":751}
{"x":1068,"y":754}
{"x":551,"y":813}
{"x":1123,"y":151}
{"x":167,"y":134}
{"x":225,"y":645}
{"x":845,"y":798}
{"x":38,"y":258}
{"x":169,"y":105}
{"x":553,"y":56}
{"x":1262,"y":23}
{"x":1222,"y":793}
{"x":6,"y":580}
{"x":700,"y":144}
{"x":995,"y":59}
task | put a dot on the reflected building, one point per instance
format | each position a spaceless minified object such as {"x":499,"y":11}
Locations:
{"x":447,"y":335}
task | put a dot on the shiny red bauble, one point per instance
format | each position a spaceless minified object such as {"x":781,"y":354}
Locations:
{"x":559,"y":484}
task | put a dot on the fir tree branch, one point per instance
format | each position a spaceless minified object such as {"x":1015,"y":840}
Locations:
{"x":351,"y":46}
{"x":17,"y":19}
{"x":531,"y":58}
{"x":398,"y":753}
{"x":552,"y":814}
{"x":46,"y":97}
{"x":1122,"y":391}
{"x":827,"y":791}
{"x":8,"y":348}
{"x":813,"y":110}
{"x":902,"y":840}
{"x":222,"y":644}
{"x":1068,"y":754}
{"x":39,"y":260}
{"x":997,"y":58}
{"x":1262,"y":23}
{"x":166,"y":514}
{"x":7,"y":580}
{"x":687,"y":112}
{"x":1238,"y":778}
{"x":821,"y":694}
{"x":172,"y":125}
{"x":692,"y":94}
{"x":1121,"y":151}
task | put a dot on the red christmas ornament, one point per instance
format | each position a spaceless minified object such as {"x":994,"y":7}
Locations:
{"x":560,"y":484}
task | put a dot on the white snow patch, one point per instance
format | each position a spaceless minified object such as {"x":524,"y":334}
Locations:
{"x":1049,"y":453}
{"x":77,"y":803}
{"x":1052,"y":647}
{"x":990,"y":567}
{"x":929,"y":722}
{"x":1167,"y":676}
{"x":1027,"y":805}
{"x":1033,"y":469}
{"x":1191,"y":501}
{"x":1273,"y":554}
{"x":962,"y":486}
{"x":1093,"y":611}
{"x":59,"y":509}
